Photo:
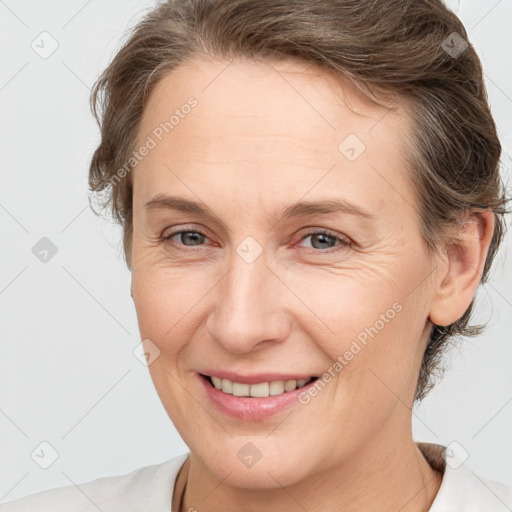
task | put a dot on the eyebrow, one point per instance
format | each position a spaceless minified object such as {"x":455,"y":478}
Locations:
{"x":299,"y":209}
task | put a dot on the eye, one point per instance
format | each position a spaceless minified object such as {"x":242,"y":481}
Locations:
{"x":188,"y":238}
{"x":324,"y":239}
{"x":320,"y":239}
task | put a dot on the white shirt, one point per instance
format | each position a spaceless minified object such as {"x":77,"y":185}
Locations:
{"x":150,"y":489}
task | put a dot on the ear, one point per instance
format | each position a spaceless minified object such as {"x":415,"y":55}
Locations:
{"x":462,"y":268}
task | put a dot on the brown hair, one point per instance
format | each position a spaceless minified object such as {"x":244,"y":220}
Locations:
{"x":402,"y":48}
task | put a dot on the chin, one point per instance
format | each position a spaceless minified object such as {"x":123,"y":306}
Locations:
{"x":272,"y":468}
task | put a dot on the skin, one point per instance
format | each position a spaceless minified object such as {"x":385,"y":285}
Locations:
{"x":262,"y":137}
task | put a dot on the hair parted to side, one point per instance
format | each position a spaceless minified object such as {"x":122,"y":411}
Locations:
{"x":386,"y":48}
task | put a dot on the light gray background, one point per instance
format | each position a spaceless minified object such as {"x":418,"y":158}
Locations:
{"x":68,"y":375}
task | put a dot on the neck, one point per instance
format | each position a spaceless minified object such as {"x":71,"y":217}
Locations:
{"x":398,"y":478}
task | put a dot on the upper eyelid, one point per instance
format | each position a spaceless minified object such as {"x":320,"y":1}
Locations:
{"x":310,"y":230}
{"x":185,"y":229}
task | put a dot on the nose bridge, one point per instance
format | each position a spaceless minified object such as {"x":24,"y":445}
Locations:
{"x":247,"y":309}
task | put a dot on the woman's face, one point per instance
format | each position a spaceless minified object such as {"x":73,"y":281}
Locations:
{"x":253,"y":287}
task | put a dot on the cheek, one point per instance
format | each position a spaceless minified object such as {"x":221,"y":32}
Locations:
{"x":369,"y":324}
{"x":342,"y":306}
{"x":168,"y":301}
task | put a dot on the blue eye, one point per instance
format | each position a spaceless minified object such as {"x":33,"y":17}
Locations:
{"x":323,"y":239}
{"x":185,"y":235}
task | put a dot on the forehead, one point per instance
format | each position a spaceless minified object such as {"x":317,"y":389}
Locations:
{"x":276,"y":129}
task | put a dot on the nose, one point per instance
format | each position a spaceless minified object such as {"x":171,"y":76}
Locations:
{"x":252,"y":307}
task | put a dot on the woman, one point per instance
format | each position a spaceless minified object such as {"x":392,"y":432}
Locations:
{"x":310,"y":196}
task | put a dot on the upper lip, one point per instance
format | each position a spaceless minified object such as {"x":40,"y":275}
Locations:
{"x":257,"y":377}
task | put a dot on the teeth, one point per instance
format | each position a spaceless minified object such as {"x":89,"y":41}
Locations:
{"x":260,"y":390}
{"x":290,"y":385}
{"x":240,"y":389}
{"x":276,"y":387}
{"x":227,"y":386}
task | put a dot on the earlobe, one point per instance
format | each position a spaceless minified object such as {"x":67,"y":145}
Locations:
{"x":462,"y":268}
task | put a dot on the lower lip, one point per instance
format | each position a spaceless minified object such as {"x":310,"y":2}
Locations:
{"x":251,"y":408}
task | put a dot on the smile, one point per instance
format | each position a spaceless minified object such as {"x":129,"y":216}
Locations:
{"x":253,"y":397}
{"x":258,"y":390}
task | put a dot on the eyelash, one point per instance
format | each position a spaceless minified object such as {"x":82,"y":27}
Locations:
{"x":342,"y":242}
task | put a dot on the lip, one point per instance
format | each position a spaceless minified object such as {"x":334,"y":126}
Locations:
{"x":256,"y":378}
{"x":251,"y":408}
